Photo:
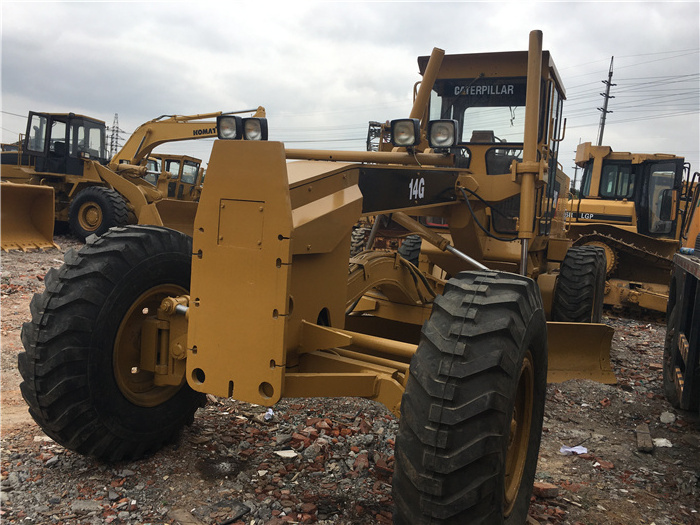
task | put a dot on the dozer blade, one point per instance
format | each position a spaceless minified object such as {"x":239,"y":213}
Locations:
{"x":579,"y":351}
{"x":178,"y":215}
{"x":26,"y":217}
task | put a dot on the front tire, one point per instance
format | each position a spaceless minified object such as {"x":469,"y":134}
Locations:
{"x":81,"y":365}
{"x":472,"y":411}
{"x":580,"y":287}
{"x":95,"y":210}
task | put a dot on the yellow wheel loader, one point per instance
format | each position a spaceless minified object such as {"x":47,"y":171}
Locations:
{"x":92,"y":193}
{"x":637,"y":208}
{"x":263,"y":302}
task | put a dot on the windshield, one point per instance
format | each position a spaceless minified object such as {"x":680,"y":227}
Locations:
{"x":88,"y":138}
{"x":487,"y":109}
{"x":189,"y":172}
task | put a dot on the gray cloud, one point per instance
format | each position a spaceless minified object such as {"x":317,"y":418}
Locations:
{"x":323,"y":70}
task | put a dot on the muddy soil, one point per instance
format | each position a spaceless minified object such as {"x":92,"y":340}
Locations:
{"x":331,"y":461}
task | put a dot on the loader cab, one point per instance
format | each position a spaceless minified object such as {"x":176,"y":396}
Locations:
{"x":59,"y":143}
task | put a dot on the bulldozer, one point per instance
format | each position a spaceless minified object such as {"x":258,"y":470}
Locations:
{"x":263,"y":301}
{"x":66,"y":152}
{"x":636,"y":207}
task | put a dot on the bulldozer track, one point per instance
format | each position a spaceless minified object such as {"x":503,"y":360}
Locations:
{"x":620,"y":246}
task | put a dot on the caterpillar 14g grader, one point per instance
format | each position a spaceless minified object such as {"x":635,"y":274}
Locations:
{"x":261,"y":303}
{"x":637,"y":207}
{"x":61,"y":172}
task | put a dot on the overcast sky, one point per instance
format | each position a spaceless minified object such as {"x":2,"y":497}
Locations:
{"x":323,"y":70}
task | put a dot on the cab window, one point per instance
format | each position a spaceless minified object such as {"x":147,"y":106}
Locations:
{"x":152,"y":169}
{"x":189,"y":172}
{"x":37,"y":133}
{"x":57,"y":141}
{"x":617,"y":181}
{"x":660,"y":188}
{"x":87,"y":138}
{"x":173,"y":166}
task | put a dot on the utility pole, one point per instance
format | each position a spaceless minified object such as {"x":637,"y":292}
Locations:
{"x":608,"y":84}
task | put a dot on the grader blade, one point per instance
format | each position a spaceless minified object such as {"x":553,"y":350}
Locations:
{"x":27,"y":217}
{"x":579,"y":351}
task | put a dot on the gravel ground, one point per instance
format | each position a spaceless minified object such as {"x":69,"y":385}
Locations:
{"x":331,"y":461}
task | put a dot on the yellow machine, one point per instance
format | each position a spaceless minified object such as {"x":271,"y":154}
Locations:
{"x":691,"y":228}
{"x":260,"y":303}
{"x":177,"y":176}
{"x":36,"y":205}
{"x":93,"y":193}
{"x":636,"y":207}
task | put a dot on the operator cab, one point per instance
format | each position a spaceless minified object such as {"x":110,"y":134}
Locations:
{"x":652,"y":182}
{"x":184,"y":176}
{"x":58,"y":143}
{"x":485,"y":93}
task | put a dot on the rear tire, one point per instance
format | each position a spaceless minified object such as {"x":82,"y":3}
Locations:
{"x":95,"y":210}
{"x":81,"y":365}
{"x":471,"y":414}
{"x":410,"y":249}
{"x":580,"y":287}
{"x":358,"y":240}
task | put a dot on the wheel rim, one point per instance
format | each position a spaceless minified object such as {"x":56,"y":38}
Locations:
{"x":610,"y":255}
{"x":519,"y":437}
{"x":90,"y":216}
{"x":136,"y":384}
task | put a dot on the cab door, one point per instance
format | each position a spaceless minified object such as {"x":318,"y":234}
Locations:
{"x":658,"y":202}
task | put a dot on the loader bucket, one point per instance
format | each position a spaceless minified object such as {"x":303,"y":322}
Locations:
{"x":26,"y":217}
{"x":579,"y":351}
{"x":177,"y":215}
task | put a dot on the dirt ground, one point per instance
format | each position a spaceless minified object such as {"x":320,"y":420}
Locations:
{"x":331,"y":461}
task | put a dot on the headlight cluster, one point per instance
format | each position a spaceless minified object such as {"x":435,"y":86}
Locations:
{"x":232,"y":127}
{"x":441,"y":133}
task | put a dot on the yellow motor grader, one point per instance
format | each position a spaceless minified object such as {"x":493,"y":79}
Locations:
{"x":637,"y":207}
{"x":177,"y":176}
{"x":263,"y":301}
{"x":66,"y":153}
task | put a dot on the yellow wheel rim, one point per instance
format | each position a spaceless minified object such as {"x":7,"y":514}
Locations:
{"x":90,"y":216}
{"x":610,"y":255}
{"x":136,"y":384}
{"x":519,"y":437}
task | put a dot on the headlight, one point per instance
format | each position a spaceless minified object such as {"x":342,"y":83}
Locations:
{"x":255,"y":128}
{"x":229,"y":127}
{"x":405,"y":132}
{"x":442,"y":133}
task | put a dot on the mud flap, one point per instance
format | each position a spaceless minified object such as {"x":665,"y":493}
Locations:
{"x":27,"y":217}
{"x":579,"y":351}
